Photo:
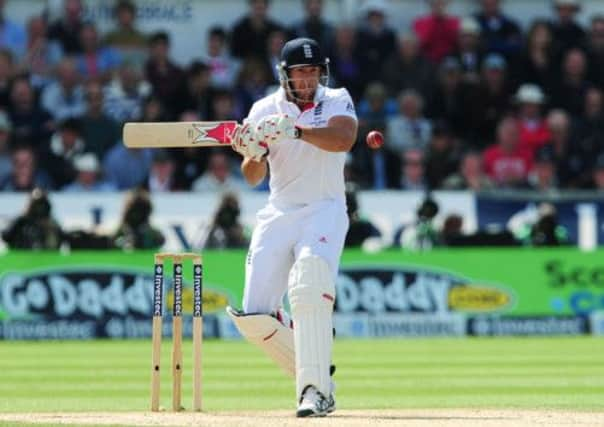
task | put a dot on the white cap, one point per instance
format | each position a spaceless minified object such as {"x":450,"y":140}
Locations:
{"x":87,"y":162}
{"x":530,"y":93}
{"x":469,"y":26}
{"x":374,"y":6}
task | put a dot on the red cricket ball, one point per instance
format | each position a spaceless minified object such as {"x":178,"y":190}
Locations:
{"x":375,"y":139}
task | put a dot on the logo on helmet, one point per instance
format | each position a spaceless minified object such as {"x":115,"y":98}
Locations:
{"x":307,"y":51}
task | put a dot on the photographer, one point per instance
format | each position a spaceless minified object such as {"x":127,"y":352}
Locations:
{"x":421,"y":235}
{"x":35,"y":229}
{"x":226,"y":231}
{"x":135,"y":230}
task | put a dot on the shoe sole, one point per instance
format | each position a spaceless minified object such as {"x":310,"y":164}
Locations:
{"x":309,"y":413}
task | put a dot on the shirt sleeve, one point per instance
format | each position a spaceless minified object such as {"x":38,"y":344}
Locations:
{"x":342,"y":105}
{"x":255,"y":114}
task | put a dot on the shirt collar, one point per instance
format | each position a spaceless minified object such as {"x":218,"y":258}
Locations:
{"x":319,"y":94}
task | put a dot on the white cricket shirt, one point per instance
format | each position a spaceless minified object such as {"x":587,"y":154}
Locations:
{"x":301,"y":173}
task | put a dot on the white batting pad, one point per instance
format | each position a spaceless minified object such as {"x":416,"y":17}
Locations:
{"x":275,"y":339}
{"x":311,"y":298}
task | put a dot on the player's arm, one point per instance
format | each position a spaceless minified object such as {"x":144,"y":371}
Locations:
{"x":339,"y":135}
{"x":254,"y":171}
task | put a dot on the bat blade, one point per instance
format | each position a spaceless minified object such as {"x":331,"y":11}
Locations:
{"x":178,"y":134}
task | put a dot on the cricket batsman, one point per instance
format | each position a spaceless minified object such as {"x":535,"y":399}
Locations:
{"x":301,"y":133}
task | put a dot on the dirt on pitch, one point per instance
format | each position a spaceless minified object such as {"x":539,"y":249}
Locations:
{"x":407,"y":417}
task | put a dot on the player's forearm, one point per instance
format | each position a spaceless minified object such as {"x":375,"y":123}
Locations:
{"x":336,"y":138}
{"x":253,"y":172}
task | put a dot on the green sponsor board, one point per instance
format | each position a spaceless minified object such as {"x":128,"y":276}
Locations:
{"x":515,"y":282}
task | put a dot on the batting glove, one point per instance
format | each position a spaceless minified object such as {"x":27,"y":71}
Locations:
{"x":246,"y":143}
{"x":276,"y":128}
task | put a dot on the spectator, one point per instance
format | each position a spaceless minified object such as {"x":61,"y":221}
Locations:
{"x":375,"y":41}
{"x":597,"y":174}
{"x":542,"y":177}
{"x":573,"y":155}
{"x":226,"y":231}
{"x":218,"y":178}
{"x":42,"y":55}
{"x":36,"y":228}
{"x":375,"y":108}
{"x":252,"y":83}
{"x":166,"y":78}
{"x":381,"y":167}
{"x":130,"y":43}
{"x":67,"y":29}
{"x":25,"y":175}
{"x":87,"y":178}
{"x":568,"y":34}
{"x":471,"y":175}
{"x":437,"y":32}
{"x":250,"y":34}
{"x":153,"y":110}
{"x":500,"y":33}
{"x":531,"y":124}
{"x":276,"y":41}
{"x":66,"y":144}
{"x":161,"y":174}
{"x":539,"y":59}
{"x":373,"y":169}
{"x":469,"y":50}
{"x":447,"y":100}
{"x":98,"y":130}
{"x":595,"y":51}
{"x":223,"y":67}
{"x":5,"y":136}
{"x":199,"y":90}
{"x":97,"y":60}
{"x":7,"y":71}
{"x":488,"y":102}
{"x":360,"y":229}
{"x":506,"y":162}
{"x":223,"y":106}
{"x":12,"y":34}
{"x":569,"y":93}
{"x":408,"y":129}
{"x":345,"y":60}
{"x":64,"y":98}
{"x":413,"y":170}
{"x":30,"y":122}
{"x":407,"y":68}
{"x":313,"y":25}
{"x":442,"y":157}
{"x":135,"y":230}
{"x":589,"y":128}
{"x":126,"y":94}
{"x":127,"y":168}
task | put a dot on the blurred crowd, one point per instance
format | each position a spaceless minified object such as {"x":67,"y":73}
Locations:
{"x":465,"y":102}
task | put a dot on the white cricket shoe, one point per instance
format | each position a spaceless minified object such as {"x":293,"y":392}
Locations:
{"x":313,"y":404}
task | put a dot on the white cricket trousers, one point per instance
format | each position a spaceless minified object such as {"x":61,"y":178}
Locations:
{"x":283,"y":236}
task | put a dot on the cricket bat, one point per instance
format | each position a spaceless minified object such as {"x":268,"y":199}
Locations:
{"x":178,"y":134}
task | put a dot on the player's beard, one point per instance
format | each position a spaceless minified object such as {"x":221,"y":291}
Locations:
{"x":306,"y":92}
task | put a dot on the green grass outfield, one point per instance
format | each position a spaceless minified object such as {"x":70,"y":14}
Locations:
{"x":523,"y":373}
